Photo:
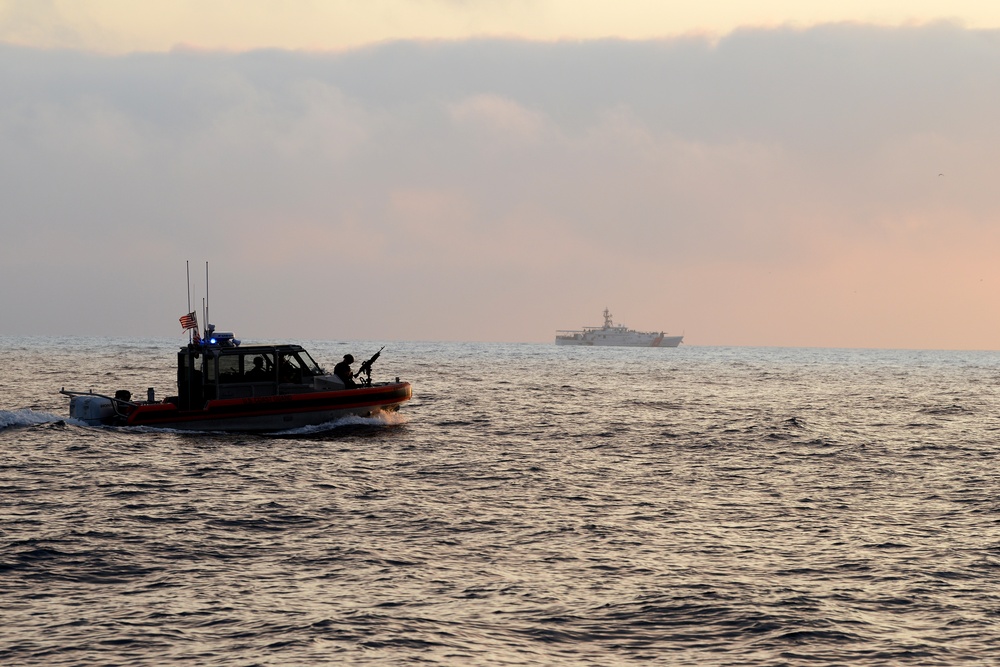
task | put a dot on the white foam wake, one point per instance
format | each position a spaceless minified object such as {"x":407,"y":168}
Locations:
{"x":26,"y":417}
{"x":380,"y":419}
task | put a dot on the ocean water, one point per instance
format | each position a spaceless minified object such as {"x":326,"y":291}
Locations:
{"x":532,"y":505}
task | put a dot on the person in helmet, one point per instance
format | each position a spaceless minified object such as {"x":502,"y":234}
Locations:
{"x":343,"y":371}
{"x":258,"y":373}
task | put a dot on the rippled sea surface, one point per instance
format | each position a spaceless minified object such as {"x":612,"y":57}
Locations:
{"x":532,"y":505}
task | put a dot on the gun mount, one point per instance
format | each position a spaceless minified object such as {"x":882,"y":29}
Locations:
{"x":366,"y":369}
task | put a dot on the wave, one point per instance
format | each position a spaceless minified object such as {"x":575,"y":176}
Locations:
{"x":380,"y":419}
{"x":26,"y":417}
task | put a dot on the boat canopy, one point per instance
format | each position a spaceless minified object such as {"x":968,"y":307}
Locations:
{"x":207,"y":372}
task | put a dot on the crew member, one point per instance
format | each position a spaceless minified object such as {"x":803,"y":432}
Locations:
{"x":257,"y":373}
{"x":343,"y":371}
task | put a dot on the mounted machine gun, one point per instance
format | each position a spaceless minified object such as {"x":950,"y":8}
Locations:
{"x":366,"y":369}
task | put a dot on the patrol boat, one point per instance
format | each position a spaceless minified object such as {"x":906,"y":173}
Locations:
{"x":617,"y":335}
{"x":225,"y":386}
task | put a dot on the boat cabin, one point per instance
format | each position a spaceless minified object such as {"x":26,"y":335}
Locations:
{"x":209,"y":372}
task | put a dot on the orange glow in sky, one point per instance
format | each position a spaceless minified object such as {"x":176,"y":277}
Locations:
{"x":117,"y":26}
{"x":774,"y":173}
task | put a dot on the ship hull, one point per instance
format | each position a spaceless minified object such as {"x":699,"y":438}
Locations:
{"x":273,"y":413}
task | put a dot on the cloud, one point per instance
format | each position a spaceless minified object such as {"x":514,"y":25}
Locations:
{"x":520,"y":184}
{"x":505,"y":118}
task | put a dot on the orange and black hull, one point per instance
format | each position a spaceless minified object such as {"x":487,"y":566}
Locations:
{"x":273,"y":413}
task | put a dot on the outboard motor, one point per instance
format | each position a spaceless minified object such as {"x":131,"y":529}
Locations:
{"x":92,"y":410}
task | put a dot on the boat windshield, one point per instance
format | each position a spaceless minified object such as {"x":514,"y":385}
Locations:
{"x":309,"y":364}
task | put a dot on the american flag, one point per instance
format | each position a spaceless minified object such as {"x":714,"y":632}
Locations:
{"x":189,"y":321}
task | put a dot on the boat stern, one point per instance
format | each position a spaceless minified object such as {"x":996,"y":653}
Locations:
{"x":92,"y":410}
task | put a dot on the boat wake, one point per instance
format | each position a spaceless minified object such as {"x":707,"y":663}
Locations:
{"x":381,"y":419}
{"x":26,"y":417}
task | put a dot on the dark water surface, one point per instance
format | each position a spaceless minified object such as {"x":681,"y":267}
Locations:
{"x":531,"y":505}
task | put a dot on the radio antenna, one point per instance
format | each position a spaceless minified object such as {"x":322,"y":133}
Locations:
{"x":187,"y":266}
{"x":207,"y":321}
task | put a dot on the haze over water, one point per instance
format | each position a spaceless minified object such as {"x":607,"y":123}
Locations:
{"x":532,"y":505}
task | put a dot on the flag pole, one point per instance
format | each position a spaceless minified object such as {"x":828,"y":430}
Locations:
{"x":187,"y":265}
{"x":207,"y":321}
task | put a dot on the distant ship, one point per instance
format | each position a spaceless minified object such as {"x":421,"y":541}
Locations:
{"x":617,"y":335}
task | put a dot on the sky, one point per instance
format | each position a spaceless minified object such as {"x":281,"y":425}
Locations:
{"x":768,"y":173}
